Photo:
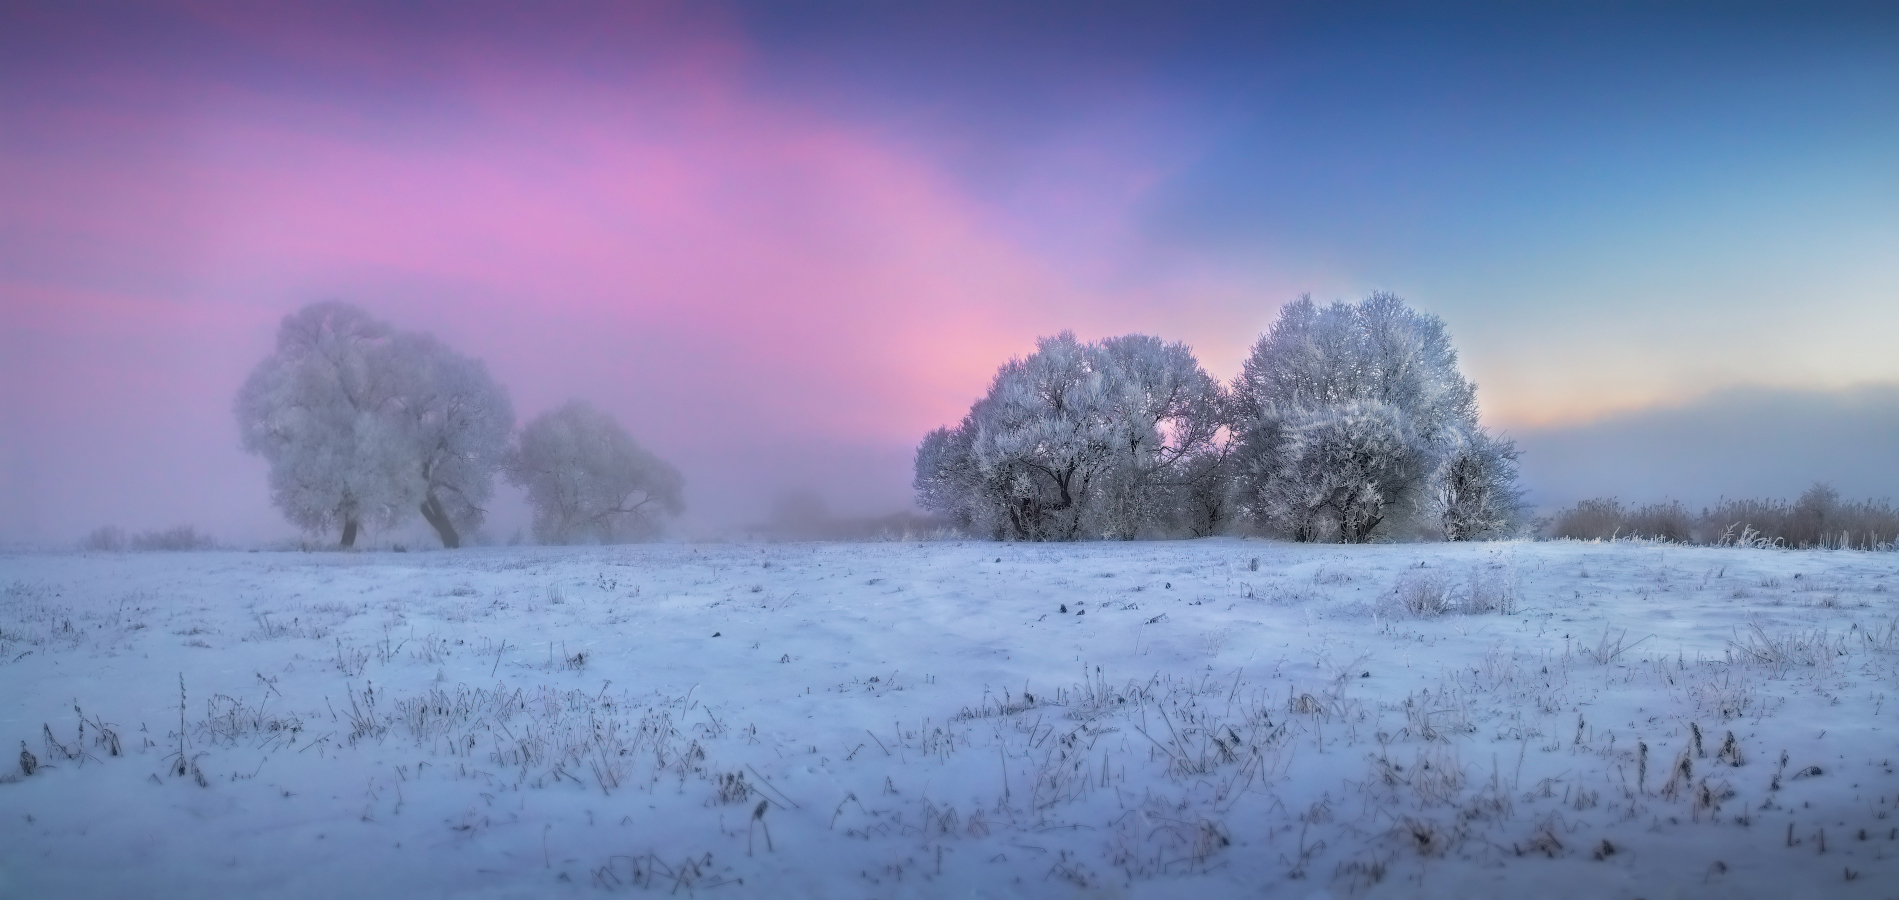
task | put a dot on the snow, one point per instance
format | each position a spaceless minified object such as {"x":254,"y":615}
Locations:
{"x":922,"y":720}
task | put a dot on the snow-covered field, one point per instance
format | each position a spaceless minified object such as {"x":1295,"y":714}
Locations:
{"x":1213,"y":718}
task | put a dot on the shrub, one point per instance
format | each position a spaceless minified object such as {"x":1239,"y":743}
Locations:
{"x":1589,"y":520}
{"x":1424,"y":593}
{"x":110,"y":538}
{"x":1664,"y":521}
{"x":1818,"y":519}
{"x":182,"y":537}
{"x":1493,"y":588}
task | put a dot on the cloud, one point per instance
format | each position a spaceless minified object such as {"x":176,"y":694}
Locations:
{"x":1736,"y":442}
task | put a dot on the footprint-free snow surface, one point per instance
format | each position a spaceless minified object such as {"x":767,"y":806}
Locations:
{"x":1218,"y":718}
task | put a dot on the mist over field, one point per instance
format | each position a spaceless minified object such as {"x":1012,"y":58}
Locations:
{"x":60,"y":486}
{"x":1696,"y":452}
{"x":1737,"y":443}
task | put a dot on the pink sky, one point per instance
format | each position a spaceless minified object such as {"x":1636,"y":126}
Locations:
{"x":771,"y":297}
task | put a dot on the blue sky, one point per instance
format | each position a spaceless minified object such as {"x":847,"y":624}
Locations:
{"x":1666,"y":191}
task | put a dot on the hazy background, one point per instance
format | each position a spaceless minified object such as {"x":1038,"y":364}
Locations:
{"x":782,"y":241}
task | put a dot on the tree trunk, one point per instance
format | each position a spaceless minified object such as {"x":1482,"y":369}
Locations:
{"x":438,"y":517}
{"x":349,"y":533}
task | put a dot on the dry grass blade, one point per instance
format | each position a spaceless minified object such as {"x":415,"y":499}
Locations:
{"x":1609,"y":648}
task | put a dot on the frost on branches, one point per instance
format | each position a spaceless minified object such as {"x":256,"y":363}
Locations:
{"x":1340,"y":471}
{"x":587,"y":479}
{"x":455,"y":421}
{"x":1354,"y":424}
{"x":1474,"y":495}
{"x":1097,"y":440}
{"x":364,"y":426}
{"x":1349,"y":423}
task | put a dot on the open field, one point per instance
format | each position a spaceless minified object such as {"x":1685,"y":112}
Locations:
{"x":1222,"y":717}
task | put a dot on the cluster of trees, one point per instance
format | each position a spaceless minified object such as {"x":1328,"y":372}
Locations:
{"x":365,"y":426}
{"x":1350,"y":422}
{"x":1818,"y":519}
{"x":114,"y":539}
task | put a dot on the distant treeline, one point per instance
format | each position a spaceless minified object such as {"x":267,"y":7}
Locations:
{"x":1819,"y":519}
{"x":113,"y":538}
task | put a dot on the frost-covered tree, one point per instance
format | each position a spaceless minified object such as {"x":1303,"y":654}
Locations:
{"x":1349,"y":415}
{"x":586,"y":478}
{"x":1043,"y":439}
{"x":1167,"y":419}
{"x":1474,"y":493}
{"x":1811,"y":519}
{"x":948,"y":481}
{"x":1206,"y":499}
{"x":456,"y":421}
{"x":1341,"y":471}
{"x":1076,"y":440}
{"x":363,"y":425}
{"x":319,"y":411}
{"x":1379,"y":349}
